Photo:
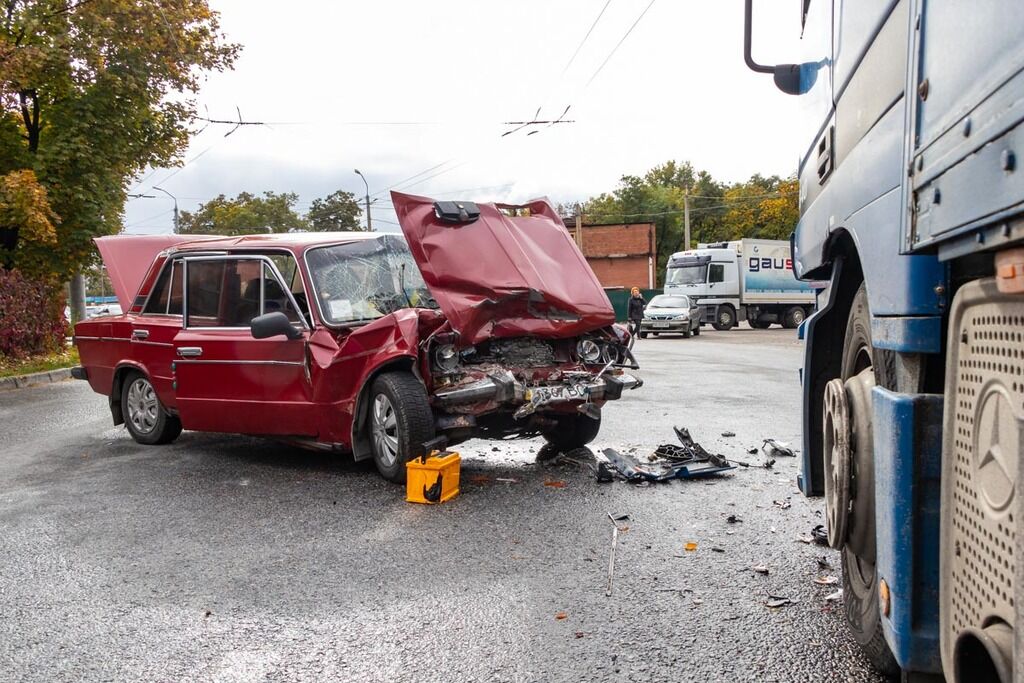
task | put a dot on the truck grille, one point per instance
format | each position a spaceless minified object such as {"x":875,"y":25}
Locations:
{"x":984,"y":420}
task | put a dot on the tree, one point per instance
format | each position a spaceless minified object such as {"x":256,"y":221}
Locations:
{"x":337,"y":211}
{"x":246,"y":214}
{"x":92,"y":92}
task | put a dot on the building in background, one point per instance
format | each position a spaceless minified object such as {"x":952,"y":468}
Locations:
{"x":620,"y":254}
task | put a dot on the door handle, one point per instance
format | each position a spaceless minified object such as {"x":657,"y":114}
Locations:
{"x":190,"y":351}
{"x":140,"y":334}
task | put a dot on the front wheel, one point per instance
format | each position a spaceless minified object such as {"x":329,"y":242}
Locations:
{"x":725,"y":318}
{"x":572,"y":431}
{"x":144,"y":416}
{"x":401,"y":421}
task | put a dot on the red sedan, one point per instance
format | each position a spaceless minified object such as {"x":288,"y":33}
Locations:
{"x":484,"y":321}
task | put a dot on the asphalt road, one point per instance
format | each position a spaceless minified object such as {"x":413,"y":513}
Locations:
{"x":236,"y":559}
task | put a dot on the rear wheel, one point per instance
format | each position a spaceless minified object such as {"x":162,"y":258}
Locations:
{"x":856,"y":498}
{"x":144,"y":415}
{"x":572,"y":431}
{"x":400,"y":422}
{"x":759,"y":324}
{"x":725,"y":318}
{"x":793,"y":316}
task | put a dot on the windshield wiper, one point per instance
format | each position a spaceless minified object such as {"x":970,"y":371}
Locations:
{"x":401,"y":283}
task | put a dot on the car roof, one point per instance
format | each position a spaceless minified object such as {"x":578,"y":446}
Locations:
{"x":301,"y":240}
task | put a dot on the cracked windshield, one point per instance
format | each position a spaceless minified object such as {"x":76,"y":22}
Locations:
{"x":366,"y":280}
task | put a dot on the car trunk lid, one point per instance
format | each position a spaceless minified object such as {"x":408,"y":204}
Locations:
{"x":129,"y":257}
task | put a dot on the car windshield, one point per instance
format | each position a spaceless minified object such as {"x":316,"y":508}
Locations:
{"x":664,"y":301}
{"x":687,"y":275}
{"x":365,"y":280}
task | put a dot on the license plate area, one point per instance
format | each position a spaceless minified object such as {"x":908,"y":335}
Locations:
{"x":660,"y":326}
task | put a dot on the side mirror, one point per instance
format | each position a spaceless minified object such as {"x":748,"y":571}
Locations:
{"x":787,"y":76}
{"x":273,"y":324}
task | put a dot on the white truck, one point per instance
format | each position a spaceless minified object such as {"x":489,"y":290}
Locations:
{"x":749,"y":279}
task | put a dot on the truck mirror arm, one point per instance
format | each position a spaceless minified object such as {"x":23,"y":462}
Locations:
{"x":787,"y":76}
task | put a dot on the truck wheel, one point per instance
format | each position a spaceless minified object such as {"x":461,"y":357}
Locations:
{"x":572,"y":431}
{"x":860,"y":582}
{"x":400,"y":422}
{"x":793,"y":316}
{"x":725,"y":318}
{"x":144,"y":416}
{"x":758,"y":324}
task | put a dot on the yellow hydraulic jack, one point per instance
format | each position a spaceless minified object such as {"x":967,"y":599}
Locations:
{"x":434,"y":477}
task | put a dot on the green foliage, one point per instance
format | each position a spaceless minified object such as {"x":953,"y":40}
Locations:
{"x":31,"y":316}
{"x":245,"y":214}
{"x":760,"y":207}
{"x":337,"y":211}
{"x":93,"y":92}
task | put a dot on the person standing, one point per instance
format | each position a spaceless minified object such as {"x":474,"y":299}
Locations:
{"x":635,"y":311}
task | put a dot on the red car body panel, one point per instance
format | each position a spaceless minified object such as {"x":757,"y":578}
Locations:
{"x":316,"y":387}
{"x":502,"y":276}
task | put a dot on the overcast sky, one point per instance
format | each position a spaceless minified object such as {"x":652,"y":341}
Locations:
{"x":396,"y":87}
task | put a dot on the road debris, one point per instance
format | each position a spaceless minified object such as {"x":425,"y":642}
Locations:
{"x":783,"y":504}
{"x":760,"y":569}
{"x":733,"y":519}
{"x":823,"y":563}
{"x":555,"y":483}
{"x":835,"y":597}
{"x":773,"y":448}
{"x":820,"y":535}
{"x":561,"y":615}
{"x":826,"y":580}
{"x":611,"y":555}
{"x":716,"y":549}
{"x":727,"y":434}
{"x":690,"y":546}
{"x":605,"y":474}
{"x":777,"y":601}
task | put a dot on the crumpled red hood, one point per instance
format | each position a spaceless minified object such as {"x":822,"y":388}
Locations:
{"x":503,"y":276}
{"x":129,"y":257}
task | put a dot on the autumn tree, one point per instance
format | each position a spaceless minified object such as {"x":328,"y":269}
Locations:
{"x":337,"y":211}
{"x":245,"y":214}
{"x":92,"y":92}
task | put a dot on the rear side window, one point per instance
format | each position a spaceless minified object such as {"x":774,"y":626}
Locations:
{"x":165,"y":299}
{"x":231,"y":292}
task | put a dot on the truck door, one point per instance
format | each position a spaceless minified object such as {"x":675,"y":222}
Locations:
{"x":225,"y":380}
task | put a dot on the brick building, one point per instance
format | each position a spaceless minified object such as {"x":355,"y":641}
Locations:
{"x":621,"y":254}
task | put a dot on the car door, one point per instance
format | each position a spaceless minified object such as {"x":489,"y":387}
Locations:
{"x":153,"y":331}
{"x":225,"y":380}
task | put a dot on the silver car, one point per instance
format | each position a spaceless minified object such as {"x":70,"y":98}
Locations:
{"x":675,"y":313}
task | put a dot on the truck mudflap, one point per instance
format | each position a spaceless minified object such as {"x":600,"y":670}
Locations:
{"x":908,"y":466}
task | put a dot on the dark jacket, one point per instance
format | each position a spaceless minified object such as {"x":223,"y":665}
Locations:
{"x":636,"y":308}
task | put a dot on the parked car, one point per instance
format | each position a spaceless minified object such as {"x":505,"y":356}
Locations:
{"x":676,"y":313}
{"x":478,"y":324}
{"x":96,"y":310}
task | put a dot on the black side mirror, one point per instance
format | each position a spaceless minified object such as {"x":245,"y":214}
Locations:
{"x":787,"y":76}
{"x":273,"y":324}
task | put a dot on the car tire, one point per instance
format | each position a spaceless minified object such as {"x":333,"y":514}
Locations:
{"x":655,"y":334}
{"x":860,"y":585}
{"x":147,"y":420}
{"x":643,"y":335}
{"x":725,"y":318}
{"x":572,"y":431}
{"x":399,"y":423}
{"x":793,"y":316}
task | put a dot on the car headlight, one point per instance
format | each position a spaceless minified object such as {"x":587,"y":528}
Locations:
{"x":683,"y":316}
{"x":446,"y":357}
{"x":611,"y":354}
{"x":588,"y":350}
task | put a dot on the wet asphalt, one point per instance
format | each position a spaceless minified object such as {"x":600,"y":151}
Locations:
{"x":222,"y":558}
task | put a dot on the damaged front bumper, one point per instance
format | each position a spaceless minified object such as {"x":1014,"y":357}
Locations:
{"x":505,"y":389}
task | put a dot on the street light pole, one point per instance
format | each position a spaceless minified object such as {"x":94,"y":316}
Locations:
{"x":175,"y":205}
{"x":369,"y":225}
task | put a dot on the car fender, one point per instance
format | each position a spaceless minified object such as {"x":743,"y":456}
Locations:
{"x":116,"y":383}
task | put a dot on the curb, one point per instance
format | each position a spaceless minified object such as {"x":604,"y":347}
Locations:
{"x":35,"y":378}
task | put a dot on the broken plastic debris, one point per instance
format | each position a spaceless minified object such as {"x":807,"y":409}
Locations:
{"x":820,"y":534}
{"x":555,"y":483}
{"x":834,"y":597}
{"x":728,"y":433}
{"x":690,"y":546}
{"x":805,"y":539}
{"x":561,"y":615}
{"x":733,"y":519}
{"x":604,"y":473}
{"x":826,"y":580}
{"x":773,"y":448}
{"x":784,"y":504}
{"x":776,"y":601}
{"x":760,"y":569}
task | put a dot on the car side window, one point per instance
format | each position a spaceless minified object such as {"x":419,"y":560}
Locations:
{"x":231,"y":292}
{"x":716,"y":273}
{"x":165,"y":299}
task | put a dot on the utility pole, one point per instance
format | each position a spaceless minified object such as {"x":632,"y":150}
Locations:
{"x":686,"y":219}
{"x":579,"y":227}
{"x":175,"y":206}
{"x":369,"y":225}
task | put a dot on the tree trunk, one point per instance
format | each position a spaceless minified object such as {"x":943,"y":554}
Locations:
{"x":77,"y":299}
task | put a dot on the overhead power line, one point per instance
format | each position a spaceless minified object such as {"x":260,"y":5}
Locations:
{"x":618,"y":44}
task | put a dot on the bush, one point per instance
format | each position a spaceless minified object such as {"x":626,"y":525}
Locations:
{"x":31,"y":316}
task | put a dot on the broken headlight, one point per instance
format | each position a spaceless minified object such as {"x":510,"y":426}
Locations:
{"x":588,"y":350}
{"x":446,"y":357}
{"x":611,"y":353}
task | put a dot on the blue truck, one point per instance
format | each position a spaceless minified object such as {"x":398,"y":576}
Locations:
{"x":912,"y":210}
